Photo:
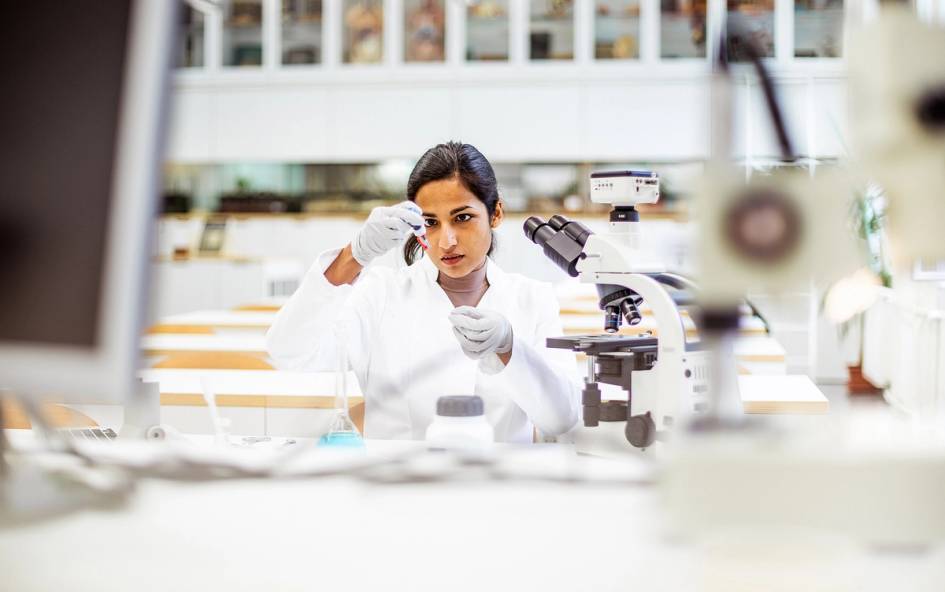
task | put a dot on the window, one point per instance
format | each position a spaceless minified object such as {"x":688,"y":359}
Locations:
{"x":363,"y":37}
{"x":424,"y":31}
{"x":301,"y":31}
{"x":242,"y":33}
{"x":682,"y":28}
{"x":752,"y":19}
{"x":616,"y":29}
{"x":190,"y":54}
{"x":551,"y":33}
{"x":487,"y":30}
{"x":818,"y":28}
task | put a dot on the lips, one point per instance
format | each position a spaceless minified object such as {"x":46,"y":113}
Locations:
{"x":451,"y":259}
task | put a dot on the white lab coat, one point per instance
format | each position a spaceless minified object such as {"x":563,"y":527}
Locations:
{"x":395,"y":326}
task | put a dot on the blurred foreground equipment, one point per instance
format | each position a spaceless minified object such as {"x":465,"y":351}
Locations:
{"x":897,"y":114}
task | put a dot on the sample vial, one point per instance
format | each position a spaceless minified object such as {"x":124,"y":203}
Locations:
{"x":460,"y":424}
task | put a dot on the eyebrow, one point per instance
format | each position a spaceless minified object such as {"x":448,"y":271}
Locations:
{"x":453,"y":211}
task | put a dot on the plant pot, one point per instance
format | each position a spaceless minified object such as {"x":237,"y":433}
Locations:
{"x":858,"y":385}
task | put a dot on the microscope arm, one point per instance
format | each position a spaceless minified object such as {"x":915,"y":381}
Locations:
{"x":681,"y":282}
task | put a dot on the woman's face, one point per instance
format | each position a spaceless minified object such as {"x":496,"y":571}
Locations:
{"x":459,"y":230}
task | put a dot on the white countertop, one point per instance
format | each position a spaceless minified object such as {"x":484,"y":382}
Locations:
{"x":760,"y":394}
{"x":463,"y":534}
{"x":255,"y":343}
{"x":248,"y":382}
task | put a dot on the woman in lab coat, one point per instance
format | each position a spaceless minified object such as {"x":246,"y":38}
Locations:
{"x":449,"y":323}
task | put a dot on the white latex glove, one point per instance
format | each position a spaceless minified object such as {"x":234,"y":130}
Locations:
{"x":481,"y":332}
{"x":384,"y":229}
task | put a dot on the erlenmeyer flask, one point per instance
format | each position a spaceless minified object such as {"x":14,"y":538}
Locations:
{"x":341,"y":431}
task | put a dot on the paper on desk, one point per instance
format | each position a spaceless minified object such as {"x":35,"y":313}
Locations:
{"x":403,"y":462}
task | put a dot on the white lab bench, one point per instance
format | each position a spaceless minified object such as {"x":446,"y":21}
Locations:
{"x":755,"y":355}
{"x":272,"y":403}
{"x":571,"y":322}
{"x":278,"y":403}
{"x":463,"y":535}
{"x":218,"y":320}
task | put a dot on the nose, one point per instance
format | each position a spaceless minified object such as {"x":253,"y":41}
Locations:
{"x":447,"y":238}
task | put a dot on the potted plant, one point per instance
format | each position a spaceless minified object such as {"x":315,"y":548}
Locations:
{"x":848,"y":299}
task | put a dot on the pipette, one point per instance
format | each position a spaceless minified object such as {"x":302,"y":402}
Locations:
{"x":421,"y":234}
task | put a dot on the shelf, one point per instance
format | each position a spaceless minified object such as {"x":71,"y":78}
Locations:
{"x":238,"y":25}
{"x":305,"y":23}
{"x":552,"y":19}
{"x":676,"y":215}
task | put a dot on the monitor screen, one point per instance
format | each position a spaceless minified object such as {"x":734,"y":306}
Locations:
{"x":62,"y":66}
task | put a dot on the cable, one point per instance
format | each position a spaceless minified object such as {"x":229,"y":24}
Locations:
{"x":757,"y":313}
{"x":774,"y":110}
{"x":680,"y":282}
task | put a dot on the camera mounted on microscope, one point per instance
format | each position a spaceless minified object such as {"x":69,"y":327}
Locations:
{"x":625,"y":190}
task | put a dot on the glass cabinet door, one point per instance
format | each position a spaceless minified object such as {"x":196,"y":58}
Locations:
{"x":242,"y":33}
{"x":682,"y":28}
{"x":190,"y":50}
{"x":301,"y":31}
{"x":487,"y":30}
{"x":753,"y":19}
{"x":424,"y":31}
{"x":818,"y":28}
{"x":363,"y":31}
{"x":551,"y":30}
{"x":616,"y":29}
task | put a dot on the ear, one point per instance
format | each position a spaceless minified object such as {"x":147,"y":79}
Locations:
{"x":498,"y":216}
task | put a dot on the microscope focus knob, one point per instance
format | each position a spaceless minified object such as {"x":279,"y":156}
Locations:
{"x":640,"y":430}
{"x":613,"y":411}
{"x":590,"y":397}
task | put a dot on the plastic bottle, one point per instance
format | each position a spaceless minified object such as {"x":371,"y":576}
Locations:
{"x":460,"y":425}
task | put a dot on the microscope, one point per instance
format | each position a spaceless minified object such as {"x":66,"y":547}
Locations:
{"x":666,"y":378}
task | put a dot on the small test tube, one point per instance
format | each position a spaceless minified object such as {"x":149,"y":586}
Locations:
{"x":420,"y":233}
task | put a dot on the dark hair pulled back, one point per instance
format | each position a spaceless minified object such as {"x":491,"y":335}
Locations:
{"x":445,"y":161}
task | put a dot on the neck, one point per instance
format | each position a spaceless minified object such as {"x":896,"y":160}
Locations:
{"x":466,"y":290}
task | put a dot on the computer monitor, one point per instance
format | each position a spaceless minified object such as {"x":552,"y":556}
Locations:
{"x":82,"y":120}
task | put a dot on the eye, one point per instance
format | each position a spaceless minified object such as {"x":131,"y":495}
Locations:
{"x":429,"y":222}
{"x":464,"y":217}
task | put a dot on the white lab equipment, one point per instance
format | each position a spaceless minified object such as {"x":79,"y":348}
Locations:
{"x":625,"y":188}
{"x":867,"y":476}
{"x":897,"y":99}
{"x":773,"y":233}
{"x":72,"y":305}
{"x":402,"y":349}
{"x":665,"y":377}
{"x":460,"y":425}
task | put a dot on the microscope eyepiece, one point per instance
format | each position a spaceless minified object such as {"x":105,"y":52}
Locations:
{"x":558,"y":221}
{"x":532,"y":225}
{"x":561,"y":239}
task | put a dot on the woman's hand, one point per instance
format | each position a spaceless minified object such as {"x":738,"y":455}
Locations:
{"x":384,"y":229}
{"x":482,"y":332}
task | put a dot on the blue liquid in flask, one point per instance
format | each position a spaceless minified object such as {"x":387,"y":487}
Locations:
{"x":342,"y":440}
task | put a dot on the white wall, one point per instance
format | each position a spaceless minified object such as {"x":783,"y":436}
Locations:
{"x":558,"y":114}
